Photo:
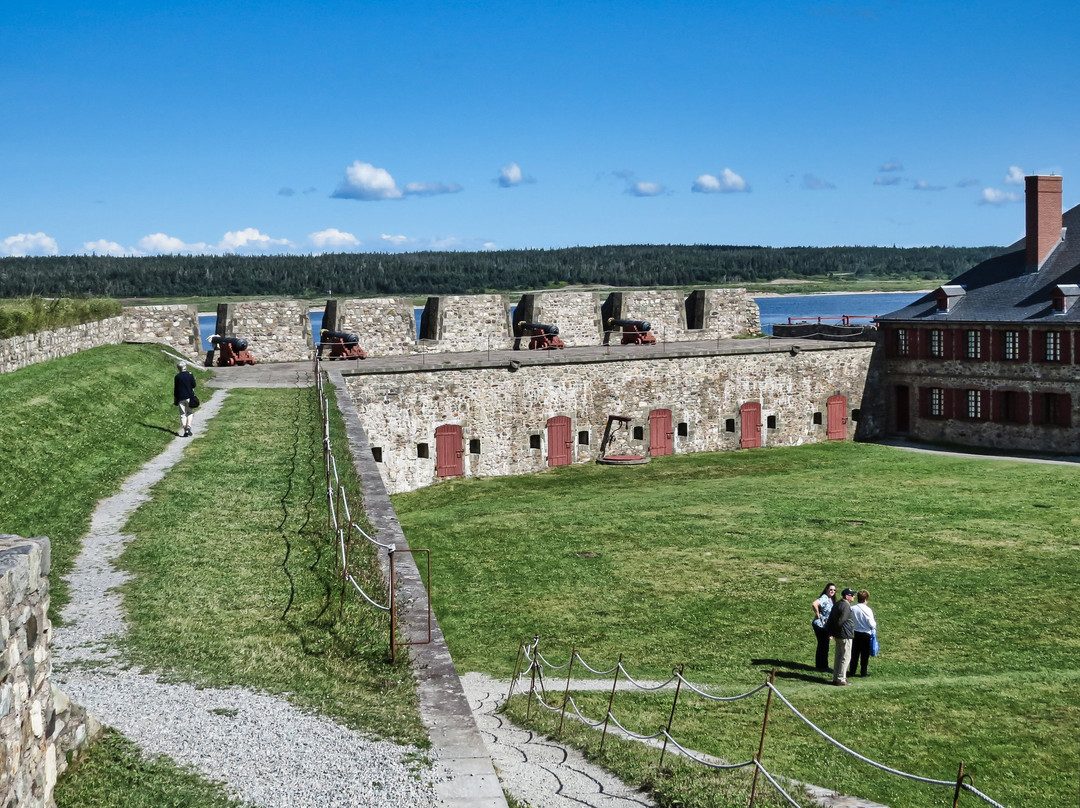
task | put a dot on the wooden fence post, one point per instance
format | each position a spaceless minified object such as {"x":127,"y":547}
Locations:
{"x":671,"y":717}
{"x":761,"y":745}
{"x":566,"y":692}
{"x":611,"y":701}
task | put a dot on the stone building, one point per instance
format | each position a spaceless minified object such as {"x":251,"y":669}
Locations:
{"x":989,"y":359}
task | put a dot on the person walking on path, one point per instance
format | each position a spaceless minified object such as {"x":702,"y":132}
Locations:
{"x":183,"y":392}
{"x":842,"y":628}
{"x":822,"y":606}
{"x":865,"y":625}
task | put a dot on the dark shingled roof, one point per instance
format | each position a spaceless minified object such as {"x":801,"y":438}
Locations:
{"x":1002,"y":290}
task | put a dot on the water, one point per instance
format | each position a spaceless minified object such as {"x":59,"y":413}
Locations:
{"x":773,"y":310}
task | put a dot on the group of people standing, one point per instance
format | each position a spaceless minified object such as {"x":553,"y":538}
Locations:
{"x":851,"y":625}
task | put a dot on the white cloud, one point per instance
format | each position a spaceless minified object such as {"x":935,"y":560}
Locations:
{"x":1015,"y":176}
{"x":431,"y":188}
{"x":161,"y":244}
{"x":333,"y":238}
{"x":25,"y":244}
{"x":397,"y":241}
{"x":923,"y":185}
{"x":886,"y":180}
{"x":993,"y":196}
{"x":365,"y":181}
{"x":727,"y":182}
{"x":892,"y":165}
{"x":967,"y":182}
{"x":812,"y":182}
{"x":511,"y":175}
{"x":103,"y":247}
{"x":646,"y":189}
{"x":250,"y":240}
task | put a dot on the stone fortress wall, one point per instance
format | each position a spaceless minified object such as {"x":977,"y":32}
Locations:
{"x":504,"y":414}
{"x":41,"y":731}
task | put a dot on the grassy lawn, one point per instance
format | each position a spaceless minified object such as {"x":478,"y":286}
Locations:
{"x":712,"y":560}
{"x":71,"y":430}
{"x":234,"y":574}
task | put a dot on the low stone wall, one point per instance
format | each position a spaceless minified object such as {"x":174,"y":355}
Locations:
{"x":504,"y":415}
{"x":176,"y":326}
{"x":386,"y":325}
{"x":28,"y":349}
{"x":276,"y":330}
{"x":577,"y":315}
{"x":473,"y":323}
{"x":41,"y":731}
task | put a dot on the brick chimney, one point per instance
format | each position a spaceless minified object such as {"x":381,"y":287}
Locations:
{"x":1043,"y":218}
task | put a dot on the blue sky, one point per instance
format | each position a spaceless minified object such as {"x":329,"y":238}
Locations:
{"x":195,"y":127}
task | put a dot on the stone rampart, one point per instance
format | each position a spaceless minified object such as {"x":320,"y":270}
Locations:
{"x":470,"y":323}
{"x":504,"y":415}
{"x":40,"y":729}
{"x":176,"y":326}
{"x":276,"y":330}
{"x":28,"y":349}
{"x":576,"y":314}
{"x":386,"y":325}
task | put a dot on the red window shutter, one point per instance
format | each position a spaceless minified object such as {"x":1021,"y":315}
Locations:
{"x":997,"y":343}
{"x":949,"y":402}
{"x":997,"y":414}
{"x":984,"y":338}
{"x":1037,"y":408}
{"x":924,"y":402}
{"x":1064,"y":410}
{"x":1066,"y":347}
{"x":915,"y":346}
{"x":984,"y":395}
{"x":1023,"y":407}
{"x":1025,"y":341}
{"x":892,"y":347}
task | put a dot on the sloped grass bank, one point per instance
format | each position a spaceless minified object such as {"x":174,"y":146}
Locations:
{"x":712,"y":561}
{"x":71,"y":430}
{"x":234,"y":577}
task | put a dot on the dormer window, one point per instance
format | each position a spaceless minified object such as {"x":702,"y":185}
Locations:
{"x":948,"y":297}
{"x":1065,"y":294}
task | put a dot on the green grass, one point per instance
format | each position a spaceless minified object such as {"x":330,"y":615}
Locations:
{"x":27,"y":315}
{"x":712,"y":561}
{"x":71,"y":430}
{"x":234,"y":574}
{"x":115,"y":774}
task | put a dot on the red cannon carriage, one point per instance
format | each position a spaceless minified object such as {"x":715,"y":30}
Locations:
{"x":342,"y":344}
{"x":232,"y":351}
{"x":542,"y":337}
{"x":634,"y":332}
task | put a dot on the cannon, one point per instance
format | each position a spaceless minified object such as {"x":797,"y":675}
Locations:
{"x":342,"y":344}
{"x":542,"y":337}
{"x":231,"y":351}
{"x":634,"y":332}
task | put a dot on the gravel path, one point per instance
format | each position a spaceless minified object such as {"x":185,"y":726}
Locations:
{"x":266,"y":751}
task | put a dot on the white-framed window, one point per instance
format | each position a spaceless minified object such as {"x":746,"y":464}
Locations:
{"x":937,"y":343}
{"x":1011,"y":348}
{"x":903,"y":343}
{"x":973,"y":399}
{"x":937,"y":402}
{"x":973,"y":344}
{"x":1051,"y":346}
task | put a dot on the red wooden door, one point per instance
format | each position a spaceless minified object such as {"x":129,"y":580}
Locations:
{"x":751,"y":424}
{"x":836,"y":407}
{"x":661,"y":435}
{"x":903,"y":408}
{"x":448,"y":451}
{"x":559,"y":443}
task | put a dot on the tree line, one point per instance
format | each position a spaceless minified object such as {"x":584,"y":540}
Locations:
{"x":433,"y":273}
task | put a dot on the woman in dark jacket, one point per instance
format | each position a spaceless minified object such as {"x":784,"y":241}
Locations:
{"x":183,"y":391}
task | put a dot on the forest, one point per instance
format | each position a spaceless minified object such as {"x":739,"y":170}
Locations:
{"x":434,"y":273}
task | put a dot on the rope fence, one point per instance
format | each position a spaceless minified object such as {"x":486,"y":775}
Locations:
{"x":532,"y":664}
{"x":349,"y":534}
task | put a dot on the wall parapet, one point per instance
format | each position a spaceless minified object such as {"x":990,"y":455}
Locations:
{"x":40,"y":729}
{"x":29,"y":349}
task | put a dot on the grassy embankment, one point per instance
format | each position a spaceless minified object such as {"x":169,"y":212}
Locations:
{"x":27,"y":315}
{"x":712,"y":560}
{"x":229,"y":563}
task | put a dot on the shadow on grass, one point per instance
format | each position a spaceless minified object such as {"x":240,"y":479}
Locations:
{"x":785,"y":669}
{"x":158,"y":428}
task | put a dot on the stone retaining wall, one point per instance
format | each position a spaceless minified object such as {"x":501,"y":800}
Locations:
{"x":176,"y":326}
{"x":386,"y":325}
{"x":276,"y":330}
{"x":41,"y":731}
{"x":504,"y":415}
{"x":28,"y":349}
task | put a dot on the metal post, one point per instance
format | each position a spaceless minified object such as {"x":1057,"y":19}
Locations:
{"x":532,"y":685}
{"x":959,"y":780}
{"x":566,"y":693}
{"x":672,"y":716}
{"x":517,"y":670}
{"x":393,"y":612}
{"x":761,"y":745}
{"x":611,"y":702}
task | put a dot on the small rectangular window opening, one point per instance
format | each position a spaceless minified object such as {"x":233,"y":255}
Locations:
{"x":534,"y":441}
{"x":855,"y":415}
{"x":422,"y":450}
{"x":474,"y":446}
{"x":770,"y":422}
{"x":376,"y":454}
{"x":684,"y":429}
{"x":639,"y":433}
{"x":817,"y":419}
{"x":729,"y":425}
{"x":583,"y":437}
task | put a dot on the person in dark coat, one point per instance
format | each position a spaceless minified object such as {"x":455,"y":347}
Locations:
{"x":183,"y":391}
{"x":842,"y":628}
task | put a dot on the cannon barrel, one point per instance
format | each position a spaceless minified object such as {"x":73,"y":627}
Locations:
{"x":640,"y":325}
{"x":238,"y":343}
{"x":344,"y":336}
{"x":550,"y":330}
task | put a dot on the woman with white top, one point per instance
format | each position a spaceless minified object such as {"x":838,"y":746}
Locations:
{"x":865,"y":625}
